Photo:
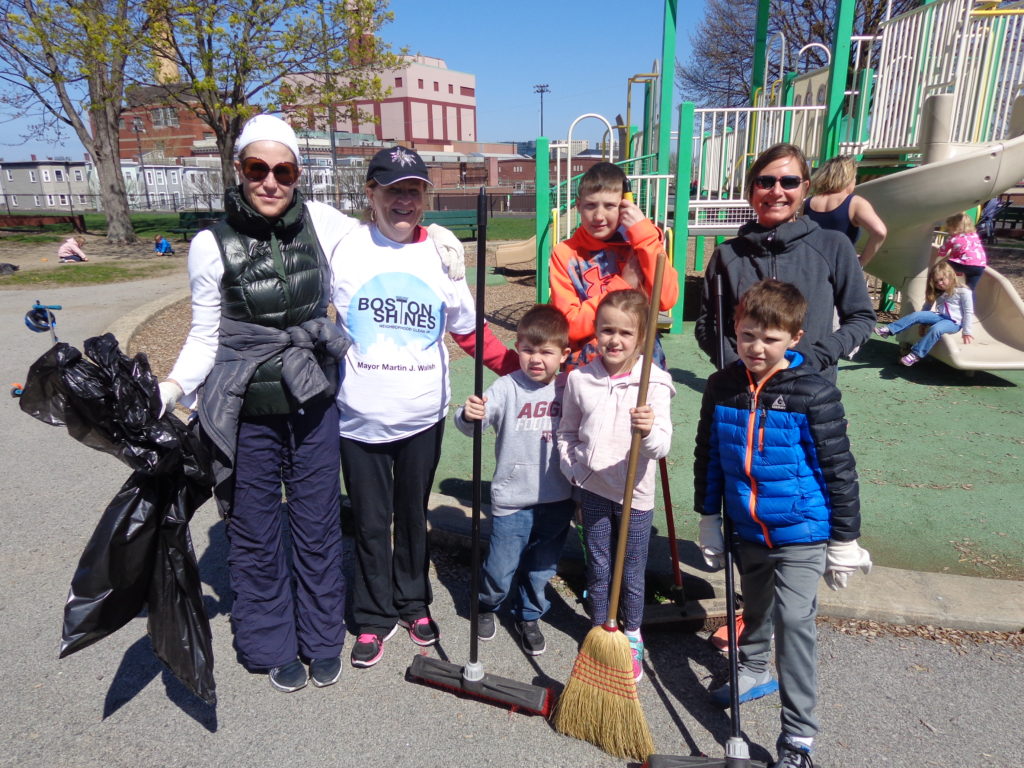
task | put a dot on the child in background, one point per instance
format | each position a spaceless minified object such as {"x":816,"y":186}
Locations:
{"x":531,"y":503}
{"x":772,"y":430}
{"x":614,"y":248}
{"x":71,"y":250}
{"x":963,"y":249}
{"x":953,"y":305}
{"x":599,"y":414}
{"x":162,"y":246}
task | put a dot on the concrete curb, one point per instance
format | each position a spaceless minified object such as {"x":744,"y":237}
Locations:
{"x":125,"y":327}
{"x":889,"y":595}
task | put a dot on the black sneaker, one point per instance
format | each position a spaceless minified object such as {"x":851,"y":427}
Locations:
{"x":422,"y":631}
{"x":324,"y":672}
{"x":369,"y":648}
{"x":485,"y":626}
{"x":792,"y":755}
{"x":531,"y":637}
{"x":290,"y":677}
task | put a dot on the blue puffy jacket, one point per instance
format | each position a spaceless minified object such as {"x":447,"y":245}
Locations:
{"x":776,"y":453}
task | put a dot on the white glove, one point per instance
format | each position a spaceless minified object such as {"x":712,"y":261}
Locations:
{"x":712,"y":543}
{"x":843,"y":558}
{"x":170,"y":394}
{"x":453,"y":255}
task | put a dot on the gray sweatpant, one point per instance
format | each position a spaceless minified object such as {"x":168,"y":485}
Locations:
{"x":780,"y":588}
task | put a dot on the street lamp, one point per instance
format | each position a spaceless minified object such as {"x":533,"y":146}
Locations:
{"x":541,"y":89}
{"x":139,"y":130}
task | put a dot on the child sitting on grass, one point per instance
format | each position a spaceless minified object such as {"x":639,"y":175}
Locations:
{"x":71,"y":250}
{"x":531,"y":503}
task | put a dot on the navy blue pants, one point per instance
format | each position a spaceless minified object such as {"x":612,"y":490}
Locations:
{"x":390,"y":483}
{"x":601,"y":518}
{"x":281,"y":612}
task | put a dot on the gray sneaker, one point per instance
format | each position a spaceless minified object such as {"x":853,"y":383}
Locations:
{"x":531,"y":637}
{"x":751,"y":685}
{"x":485,"y":626}
{"x":792,"y":755}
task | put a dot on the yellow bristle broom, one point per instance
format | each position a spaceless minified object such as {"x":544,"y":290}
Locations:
{"x":600,"y":702}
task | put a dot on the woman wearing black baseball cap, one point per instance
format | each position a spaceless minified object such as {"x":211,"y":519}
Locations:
{"x":396,"y":298}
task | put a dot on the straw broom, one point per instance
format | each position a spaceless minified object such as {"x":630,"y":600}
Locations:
{"x":600,"y":702}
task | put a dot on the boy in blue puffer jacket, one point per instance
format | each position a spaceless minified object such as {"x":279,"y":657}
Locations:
{"x":772,"y":448}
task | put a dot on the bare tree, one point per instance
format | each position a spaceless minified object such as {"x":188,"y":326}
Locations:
{"x":63,"y":65}
{"x":718,"y":72}
{"x":231,"y":56}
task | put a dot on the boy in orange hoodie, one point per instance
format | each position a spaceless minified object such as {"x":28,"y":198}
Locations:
{"x":614,"y":248}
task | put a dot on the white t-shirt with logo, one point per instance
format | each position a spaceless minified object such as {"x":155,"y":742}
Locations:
{"x":395,"y":301}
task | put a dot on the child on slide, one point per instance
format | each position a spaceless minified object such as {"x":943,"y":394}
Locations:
{"x":948,"y":309}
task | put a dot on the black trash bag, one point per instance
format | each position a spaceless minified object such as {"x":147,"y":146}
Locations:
{"x":140,"y":556}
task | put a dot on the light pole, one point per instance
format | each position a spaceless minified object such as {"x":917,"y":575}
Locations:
{"x":541,"y":89}
{"x":139,"y":130}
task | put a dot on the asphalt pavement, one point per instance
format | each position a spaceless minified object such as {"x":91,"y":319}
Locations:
{"x":884,"y":699}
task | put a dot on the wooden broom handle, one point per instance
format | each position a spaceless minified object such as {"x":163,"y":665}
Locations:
{"x":611,"y":623}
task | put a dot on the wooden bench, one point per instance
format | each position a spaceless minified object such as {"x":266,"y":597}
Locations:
{"x":452,"y":220}
{"x":190,"y":222}
{"x":77,"y":221}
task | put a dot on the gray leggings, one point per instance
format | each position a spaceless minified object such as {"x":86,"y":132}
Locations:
{"x":780,"y":595}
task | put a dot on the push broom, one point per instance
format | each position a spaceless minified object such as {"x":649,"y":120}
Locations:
{"x":737,"y":752}
{"x":471,"y":680}
{"x":600,"y":702}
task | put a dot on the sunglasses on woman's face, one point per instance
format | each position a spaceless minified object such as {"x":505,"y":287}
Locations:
{"x":786,"y":182}
{"x":255,"y":169}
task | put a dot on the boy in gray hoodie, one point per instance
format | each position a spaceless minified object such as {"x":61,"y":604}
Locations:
{"x":531,"y":504}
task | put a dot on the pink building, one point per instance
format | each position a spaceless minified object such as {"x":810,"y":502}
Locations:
{"x":430,"y":106}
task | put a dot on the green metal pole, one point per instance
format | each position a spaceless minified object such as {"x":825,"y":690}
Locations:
{"x":837,"y":74}
{"x":760,"y":47}
{"x":542,"y":196}
{"x":681,"y":217}
{"x":787,"y":101}
{"x":664,"y":140}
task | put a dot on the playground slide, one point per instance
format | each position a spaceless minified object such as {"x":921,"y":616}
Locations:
{"x":915,"y":202}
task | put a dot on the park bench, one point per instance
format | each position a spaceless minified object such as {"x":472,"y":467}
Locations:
{"x":1011,"y":217}
{"x":17,"y":222}
{"x":190,"y":222}
{"x":452,"y":220}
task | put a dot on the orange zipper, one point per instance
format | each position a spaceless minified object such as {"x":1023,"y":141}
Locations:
{"x":754,"y":428}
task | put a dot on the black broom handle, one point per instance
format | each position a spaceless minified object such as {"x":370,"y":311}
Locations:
{"x":478,"y":390}
{"x":634,"y":447}
{"x":730,"y":579}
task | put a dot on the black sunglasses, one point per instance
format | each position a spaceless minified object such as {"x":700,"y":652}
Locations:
{"x":786,"y":182}
{"x":255,"y":169}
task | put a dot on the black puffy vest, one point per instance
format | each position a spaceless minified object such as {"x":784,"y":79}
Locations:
{"x":272,"y":277}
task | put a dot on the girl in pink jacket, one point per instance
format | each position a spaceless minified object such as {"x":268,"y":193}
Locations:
{"x":599,"y":412}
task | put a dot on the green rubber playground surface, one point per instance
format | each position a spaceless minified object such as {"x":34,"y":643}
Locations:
{"x":939,"y":452}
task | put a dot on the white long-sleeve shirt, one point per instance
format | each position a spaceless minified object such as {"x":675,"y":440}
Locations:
{"x":959,"y":307}
{"x":206,"y":270}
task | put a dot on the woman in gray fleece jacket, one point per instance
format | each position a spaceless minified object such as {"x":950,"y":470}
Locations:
{"x":781,"y":245}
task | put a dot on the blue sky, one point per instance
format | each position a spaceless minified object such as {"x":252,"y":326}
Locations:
{"x":584,"y":50}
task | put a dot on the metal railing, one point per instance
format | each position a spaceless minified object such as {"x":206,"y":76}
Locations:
{"x":947,"y":47}
{"x":726,"y":141}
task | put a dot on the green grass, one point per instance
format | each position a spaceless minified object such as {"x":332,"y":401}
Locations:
{"x":511,"y":228}
{"x":84,"y":274}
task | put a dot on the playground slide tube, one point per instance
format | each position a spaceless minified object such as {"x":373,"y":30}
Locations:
{"x":915,"y":202}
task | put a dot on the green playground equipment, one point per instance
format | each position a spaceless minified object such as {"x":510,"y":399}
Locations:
{"x":929,"y":107}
